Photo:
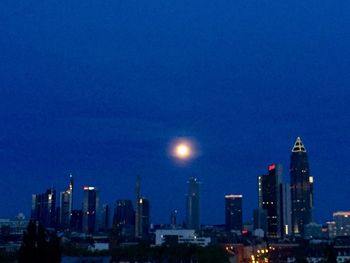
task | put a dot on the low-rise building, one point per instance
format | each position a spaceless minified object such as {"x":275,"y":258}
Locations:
{"x":179,"y":236}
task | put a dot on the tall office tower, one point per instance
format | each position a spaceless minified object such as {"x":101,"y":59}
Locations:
{"x":193,"y":204}
{"x":271,"y":198}
{"x":90,"y":209}
{"x":124,"y":219}
{"x":342,"y":223}
{"x":44,"y":208}
{"x":145,"y":216}
{"x":286,"y":210}
{"x":66,"y":201}
{"x":138,"y":222}
{"x":76,"y":221}
{"x":301,"y":185}
{"x":233,"y":212}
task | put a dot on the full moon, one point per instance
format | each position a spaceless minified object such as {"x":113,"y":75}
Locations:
{"x":182,"y":151}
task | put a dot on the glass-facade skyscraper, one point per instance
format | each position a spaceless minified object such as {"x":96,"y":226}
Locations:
{"x":270,"y":199}
{"x":193,"y":204}
{"x":301,"y":185}
{"x":66,"y":201}
{"x":44,"y":208}
{"x":90,"y":209}
{"x":233,"y":212}
{"x":145,"y":216}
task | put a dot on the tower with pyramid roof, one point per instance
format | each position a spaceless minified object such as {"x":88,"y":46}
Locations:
{"x":301,"y":184}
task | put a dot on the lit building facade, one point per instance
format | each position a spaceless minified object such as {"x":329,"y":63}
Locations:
{"x":179,"y":236}
{"x":193,"y":205}
{"x":342,"y":223}
{"x":142,"y":213}
{"x":286,"y":210}
{"x":145,"y":216}
{"x":66,"y":202}
{"x":44,"y":208}
{"x":76,"y":221}
{"x":124,"y":219}
{"x":271,"y":199}
{"x":90,"y":209}
{"x":233,"y":212}
{"x":301,"y":184}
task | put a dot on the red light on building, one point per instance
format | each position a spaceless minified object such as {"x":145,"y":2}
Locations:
{"x":244,"y":231}
{"x":272,"y":167}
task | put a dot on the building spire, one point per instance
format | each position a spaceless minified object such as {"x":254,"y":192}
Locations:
{"x":298,"y":146}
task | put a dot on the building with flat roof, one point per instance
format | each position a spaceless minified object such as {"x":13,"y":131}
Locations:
{"x":233,"y":212}
{"x":193,"y":204}
{"x":90,"y":209}
{"x":180,"y":236}
{"x":342,"y":223}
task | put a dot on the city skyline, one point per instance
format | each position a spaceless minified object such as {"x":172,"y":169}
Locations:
{"x":248,"y":215}
{"x":274,"y":195}
{"x":102,"y":90}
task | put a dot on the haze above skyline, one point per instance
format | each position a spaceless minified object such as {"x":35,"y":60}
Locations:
{"x":100,"y":90}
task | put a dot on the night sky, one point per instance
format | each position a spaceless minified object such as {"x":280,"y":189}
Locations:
{"x":100,"y":88}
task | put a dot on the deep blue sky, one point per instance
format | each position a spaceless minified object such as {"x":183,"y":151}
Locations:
{"x":100,"y":88}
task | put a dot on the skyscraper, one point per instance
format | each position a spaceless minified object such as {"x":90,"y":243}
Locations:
{"x":44,"y":208}
{"x":142,"y":213}
{"x":124,"y":219}
{"x":138,"y":224}
{"x":193,"y":204}
{"x":270,"y":198}
{"x":301,"y":184}
{"x":66,"y":201}
{"x":145,"y":216}
{"x":76,"y":221}
{"x":90,"y":209}
{"x":233,"y":212}
{"x":286,"y":210}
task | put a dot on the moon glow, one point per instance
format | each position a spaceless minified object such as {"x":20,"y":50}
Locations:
{"x":182,"y":151}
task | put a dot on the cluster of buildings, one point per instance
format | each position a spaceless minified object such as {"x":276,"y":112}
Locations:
{"x":284,"y":209}
{"x":284,"y":212}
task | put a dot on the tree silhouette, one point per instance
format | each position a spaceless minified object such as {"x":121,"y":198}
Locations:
{"x":39,"y":245}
